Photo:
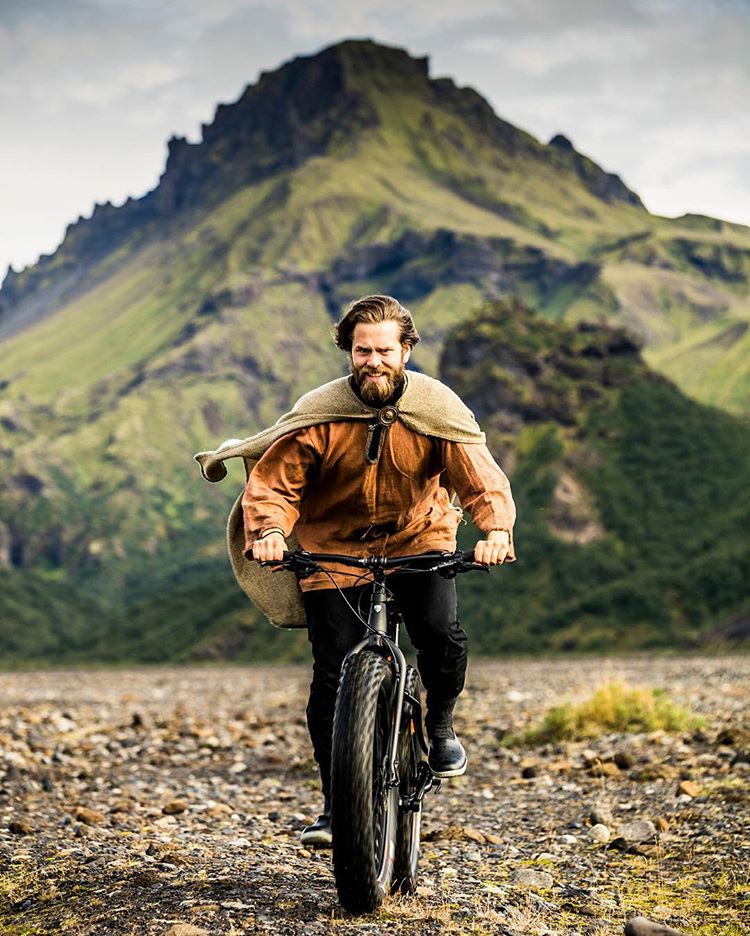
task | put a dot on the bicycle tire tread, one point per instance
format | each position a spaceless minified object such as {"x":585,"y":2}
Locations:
{"x":355,"y":871}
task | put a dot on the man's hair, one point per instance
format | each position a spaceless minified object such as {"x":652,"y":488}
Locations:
{"x":372,"y":309}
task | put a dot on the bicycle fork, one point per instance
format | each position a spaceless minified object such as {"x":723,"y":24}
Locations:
{"x":378,"y":636}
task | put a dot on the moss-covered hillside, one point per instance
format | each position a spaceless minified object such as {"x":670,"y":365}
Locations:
{"x":633,"y":519}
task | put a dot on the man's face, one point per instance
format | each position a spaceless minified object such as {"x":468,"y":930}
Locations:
{"x":378,"y":359}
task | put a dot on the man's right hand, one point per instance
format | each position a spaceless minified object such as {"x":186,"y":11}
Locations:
{"x":269,"y":549}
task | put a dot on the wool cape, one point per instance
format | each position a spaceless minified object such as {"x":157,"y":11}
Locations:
{"x":426,"y":406}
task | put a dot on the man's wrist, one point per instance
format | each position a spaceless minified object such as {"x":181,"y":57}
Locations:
{"x":263,"y":534}
{"x":496,"y":534}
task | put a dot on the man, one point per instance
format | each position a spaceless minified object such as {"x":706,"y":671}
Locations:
{"x":364,"y":486}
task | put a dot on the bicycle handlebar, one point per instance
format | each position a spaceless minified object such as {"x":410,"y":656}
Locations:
{"x":461,"y":561}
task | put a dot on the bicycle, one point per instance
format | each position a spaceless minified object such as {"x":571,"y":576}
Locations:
{"x":379,"y":769}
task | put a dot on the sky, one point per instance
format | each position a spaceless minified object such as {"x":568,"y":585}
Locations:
{"x":657,"y":91}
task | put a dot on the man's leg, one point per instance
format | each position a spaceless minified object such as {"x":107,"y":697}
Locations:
{"x":332,"y":630}
{"x":428,"y":604}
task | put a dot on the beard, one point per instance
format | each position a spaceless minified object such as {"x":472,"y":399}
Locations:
{"x":379,"y":391}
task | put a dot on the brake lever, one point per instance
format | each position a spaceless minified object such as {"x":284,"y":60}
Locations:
{"x":301,"y":567}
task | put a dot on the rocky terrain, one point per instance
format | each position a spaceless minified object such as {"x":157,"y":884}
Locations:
{"x":169,"y":801}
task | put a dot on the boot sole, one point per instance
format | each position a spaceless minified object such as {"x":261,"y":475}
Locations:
{"x":316,"y":839}
{"x":453,"y":772}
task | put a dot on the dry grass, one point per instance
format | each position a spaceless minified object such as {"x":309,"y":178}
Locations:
{"x":612,"y":707}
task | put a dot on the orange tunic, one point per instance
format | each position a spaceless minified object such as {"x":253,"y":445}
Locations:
{"x":316,"y":480}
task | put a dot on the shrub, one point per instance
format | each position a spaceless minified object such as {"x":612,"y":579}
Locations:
{"x":613,"y":707}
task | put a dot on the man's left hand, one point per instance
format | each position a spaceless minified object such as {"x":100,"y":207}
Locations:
{"x":494,"y":549}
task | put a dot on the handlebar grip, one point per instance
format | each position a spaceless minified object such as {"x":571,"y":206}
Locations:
{"x":467,"y":555}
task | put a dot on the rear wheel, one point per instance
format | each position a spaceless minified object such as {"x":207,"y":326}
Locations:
{"x":364,"y":809}
{"x":409,"y":820}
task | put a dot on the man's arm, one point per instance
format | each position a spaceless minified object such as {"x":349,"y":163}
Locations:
{"x":484,"y":491}
{"x":273,"y":492}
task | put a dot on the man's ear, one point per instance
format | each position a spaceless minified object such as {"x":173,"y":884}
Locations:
{"x":407,"y":351}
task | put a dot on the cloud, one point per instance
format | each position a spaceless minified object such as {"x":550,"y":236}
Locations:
{"x":90,"y":90}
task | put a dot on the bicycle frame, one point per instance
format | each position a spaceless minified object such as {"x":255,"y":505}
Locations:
{"x":380,"y":641}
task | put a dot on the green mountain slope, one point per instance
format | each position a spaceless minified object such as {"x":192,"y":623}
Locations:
{"x":202,"y":310}
{"x":633,"y":521}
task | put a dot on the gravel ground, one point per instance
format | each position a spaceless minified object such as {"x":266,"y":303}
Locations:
{"x":169,"y":801}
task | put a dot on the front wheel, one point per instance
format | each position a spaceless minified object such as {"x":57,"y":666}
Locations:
{"x":364,"y":809}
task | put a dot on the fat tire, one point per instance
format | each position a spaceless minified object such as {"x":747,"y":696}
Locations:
{"x":405,"y":867}
{"x":360,"y":804}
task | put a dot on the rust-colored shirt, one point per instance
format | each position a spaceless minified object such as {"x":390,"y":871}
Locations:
{"x":317,"y":481}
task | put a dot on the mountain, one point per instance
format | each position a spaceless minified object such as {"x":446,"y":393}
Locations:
{"x":635,"y":522}
{"x":202,"y":310}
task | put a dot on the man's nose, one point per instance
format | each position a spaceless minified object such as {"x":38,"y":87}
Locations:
{"x":373,"y":359}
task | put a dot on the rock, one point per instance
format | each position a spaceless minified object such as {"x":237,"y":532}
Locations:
{"x":20,"y":827}
{"x":601,"y":815}
{"x":639,"y":831}
{"x":599,"y":833}
{"x":88,"y":816}
{"x":529,"y":771}
{"x":528,"y":877}
{"x":174,"y":807}
{"x":689,"y":788}
{"x":473,"y":835}
{"x":568,"y":839}
{"x":642,"y":926}
{"x":456,"y":833}
{"x":623,"y":759}
{"x":186,"y":929}
{"x":605,"y":769}
{"x":662,"y":824}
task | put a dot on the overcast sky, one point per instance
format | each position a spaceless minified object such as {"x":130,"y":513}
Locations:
{"x":90,"y":90}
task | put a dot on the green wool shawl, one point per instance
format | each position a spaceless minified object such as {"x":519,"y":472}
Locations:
{"x":426,"y":406}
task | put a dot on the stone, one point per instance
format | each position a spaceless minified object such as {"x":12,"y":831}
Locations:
{"x":662,"y":824}
{"x":605,"y":769}
{"x":599,"y":833}
{"x":473,"y":835}
{"x":623,"y":759}
{"x":529,"y":771}
{"x":20,"y":827}
{"x":174,"y":807}
{"x":601,"y":815}
{"x":88,"y":816}
{"x":639,"y":831}
{"x":689,"y":788}
{"x":642,"y":926}
{"x":528,"y":877}
{"x":186,"y":929}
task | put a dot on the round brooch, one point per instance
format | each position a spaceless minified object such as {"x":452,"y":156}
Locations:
{"x":388,"y":415}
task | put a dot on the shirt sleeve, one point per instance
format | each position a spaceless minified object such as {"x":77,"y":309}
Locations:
{"x":482,"y":487}
{"x":276,"y":483}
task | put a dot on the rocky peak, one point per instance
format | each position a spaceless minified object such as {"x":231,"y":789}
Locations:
{"x":605,"y":185}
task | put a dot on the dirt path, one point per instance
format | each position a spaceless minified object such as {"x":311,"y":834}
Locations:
{"x":151,"y":801}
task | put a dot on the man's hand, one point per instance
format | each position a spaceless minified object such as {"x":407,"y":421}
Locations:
{"x":494,"y":549}
{"x":270,"y":548}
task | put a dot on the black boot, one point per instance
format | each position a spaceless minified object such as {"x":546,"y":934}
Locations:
{"x":447,"y":756}
{"x":318,"y":835}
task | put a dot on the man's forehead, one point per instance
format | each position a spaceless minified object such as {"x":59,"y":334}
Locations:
{"x":378,"y":333}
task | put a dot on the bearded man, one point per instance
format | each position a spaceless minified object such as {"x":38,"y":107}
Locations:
{"x":348,"y":482}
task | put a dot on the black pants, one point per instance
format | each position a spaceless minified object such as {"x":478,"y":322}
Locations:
{"x":428,"y":604}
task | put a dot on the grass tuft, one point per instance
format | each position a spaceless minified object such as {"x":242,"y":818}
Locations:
{"x":613,"y":707}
